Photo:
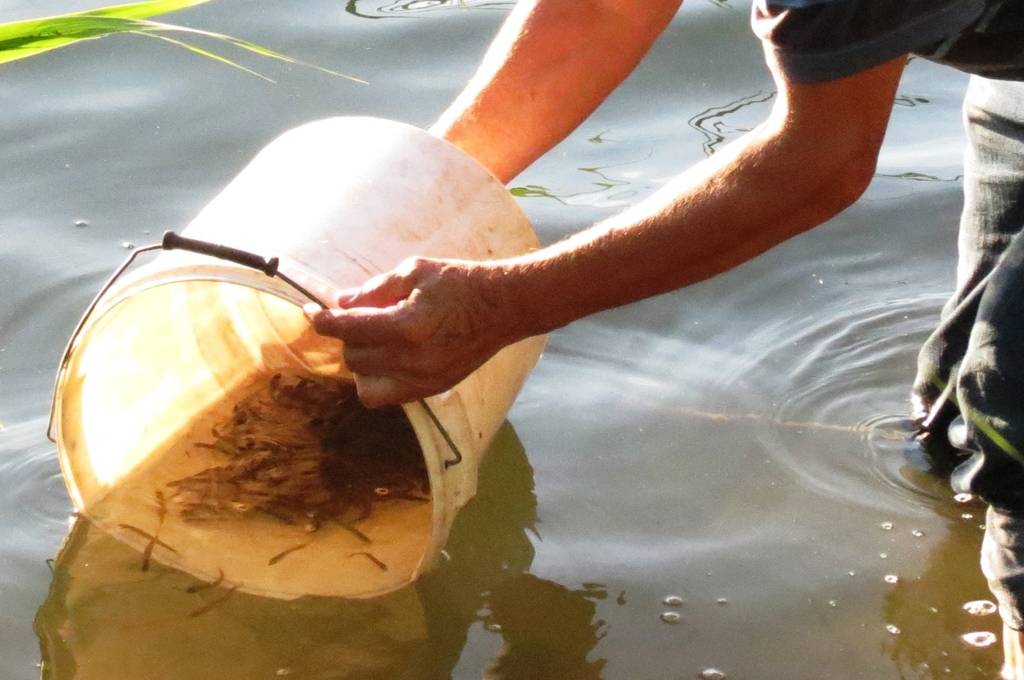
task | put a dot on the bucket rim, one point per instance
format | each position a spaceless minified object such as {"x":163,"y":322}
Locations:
{"x":242,"y":265}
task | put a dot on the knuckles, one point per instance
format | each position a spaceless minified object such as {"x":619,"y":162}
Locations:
{"x":431,"y":340}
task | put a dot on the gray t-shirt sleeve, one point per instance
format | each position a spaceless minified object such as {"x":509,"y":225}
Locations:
{"x":821,"y":40}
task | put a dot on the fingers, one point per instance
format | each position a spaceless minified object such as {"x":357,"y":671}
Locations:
{"x":345,"y":298}
{"x":358,"y":326}
{"x":374,"y":360}
{"x":375,"y":351}
{"x":384,"y":290}
{"x":412,"y":332}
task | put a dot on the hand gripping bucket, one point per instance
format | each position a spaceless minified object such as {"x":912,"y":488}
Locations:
{"x":200,"y":419}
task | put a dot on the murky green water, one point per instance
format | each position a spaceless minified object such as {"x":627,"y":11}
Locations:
{"x":735,"y":445}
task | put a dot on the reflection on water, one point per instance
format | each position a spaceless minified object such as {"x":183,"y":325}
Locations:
{"x":548,"y":630}
{"x":920,"y":177}
{"x":602,"y":183}
{"x":934,"y":633}
{"x":109,"y":617}
{"x":375,"y":9}
{"x":910,"y":100}
{"x":716,"y":124}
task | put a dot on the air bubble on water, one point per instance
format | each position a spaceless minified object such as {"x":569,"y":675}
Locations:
{"x":883,"y":555}
{"x":128,"y":245}
{"x":963,"y":498}
{"x":892,"y":578}
{"x":980,"y":607}
{"x":981,"y":638}
{"x":81,"y":223}
{"x":281,"y":672}
{"x":832,"y":603}
{"x":892,"y":629}
{"x":673,"y":601}
{"x":670,"y":617}
{"x":852,"y":572}
{"x":722,"y":600}
{"x":493,"y":627}
{"x":967,"y":515}
{"x":711,"y":674}
{"x":887,"y":526}
{"x":917,"y":532}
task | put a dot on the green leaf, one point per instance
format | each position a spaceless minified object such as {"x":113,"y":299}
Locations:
{"x":20,"y":39}
{"x":142,"y":10}
{"x":205,"y":53}
{"x":245,"y":45}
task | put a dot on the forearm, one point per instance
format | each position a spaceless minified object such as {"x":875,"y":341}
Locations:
{"x":423,"y":327}
{"x":701,"y":224}
{"x":783,"y":178}
{"x":553,"y":63}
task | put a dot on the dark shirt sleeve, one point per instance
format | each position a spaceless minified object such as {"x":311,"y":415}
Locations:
{"x":821,"y":40}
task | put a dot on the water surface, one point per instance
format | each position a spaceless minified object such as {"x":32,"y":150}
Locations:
{"x":737,"y":444}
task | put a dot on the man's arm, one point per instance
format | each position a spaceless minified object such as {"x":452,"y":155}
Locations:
{"x":423,"y":327}
{"x":551,"y":65}
{"x":812,"y":158}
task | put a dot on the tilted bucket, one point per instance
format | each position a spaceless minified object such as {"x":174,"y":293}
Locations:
{"x":200,"y":419}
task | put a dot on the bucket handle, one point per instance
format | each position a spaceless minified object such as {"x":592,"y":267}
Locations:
{"x":172,"y":241}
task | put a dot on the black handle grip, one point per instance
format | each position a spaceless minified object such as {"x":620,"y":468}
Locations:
{"x":174,"y":242}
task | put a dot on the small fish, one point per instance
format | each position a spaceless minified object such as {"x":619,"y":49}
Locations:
{"x":161,"y":508}
{"x":153,"y":542}
{"x":284,"y":553}
{"x":383,"y":567}
{"x":224,"y":446}
{"x":220,"y":600}
{"x":212,"y":584}
{"x":356,"y":532}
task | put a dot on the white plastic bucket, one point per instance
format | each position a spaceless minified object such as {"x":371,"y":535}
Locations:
{"x":180,"y":342}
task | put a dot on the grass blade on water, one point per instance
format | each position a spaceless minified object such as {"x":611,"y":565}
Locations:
{"x":20,"y":39}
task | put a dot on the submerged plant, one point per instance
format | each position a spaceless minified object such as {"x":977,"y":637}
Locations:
{"x":20,"y":39}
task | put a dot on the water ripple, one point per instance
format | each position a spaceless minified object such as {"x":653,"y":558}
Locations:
{"x":380,"y":10}
{"x":844,"y":433}
{"x":34,"y":505}
{"x":717,"y":123}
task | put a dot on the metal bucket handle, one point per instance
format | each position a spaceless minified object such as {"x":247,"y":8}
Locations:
{"x":172,"y":241}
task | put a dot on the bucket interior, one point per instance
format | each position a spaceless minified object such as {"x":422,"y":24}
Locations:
{"x":206,"y":424}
